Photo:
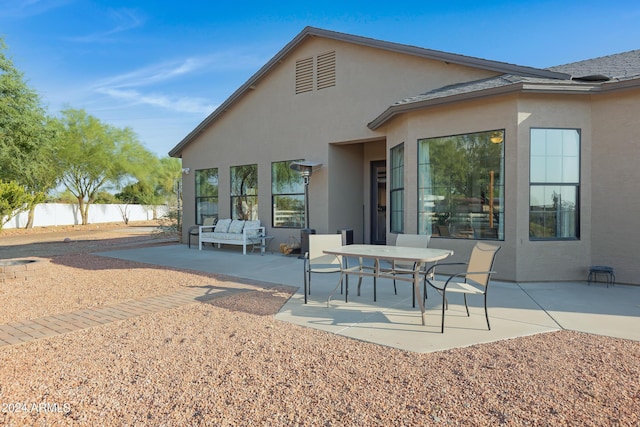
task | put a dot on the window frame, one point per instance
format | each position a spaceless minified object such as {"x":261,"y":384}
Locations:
{"x":212,"y":198}
{"x":575,"y":185}
{"x":472,"y":214}
{"x":396,"y":189}
{"x":275,"y":194}
{"x":247,"y":193}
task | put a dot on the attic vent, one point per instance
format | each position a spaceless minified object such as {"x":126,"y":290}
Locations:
{"x":326,"y":70}
{"x":304,"y":75}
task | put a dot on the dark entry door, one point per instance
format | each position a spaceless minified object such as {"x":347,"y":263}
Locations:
{"x":379,"y":202}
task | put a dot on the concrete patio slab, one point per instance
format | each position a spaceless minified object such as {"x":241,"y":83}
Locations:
{"x":514,"y":309}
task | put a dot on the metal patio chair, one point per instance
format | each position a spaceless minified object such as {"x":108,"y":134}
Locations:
{"x":474,"y":280}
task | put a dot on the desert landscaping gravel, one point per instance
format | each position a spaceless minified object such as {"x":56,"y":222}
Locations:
{"x":229,"y":362}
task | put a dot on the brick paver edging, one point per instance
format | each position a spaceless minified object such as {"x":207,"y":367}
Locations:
{"x":28,"y":330}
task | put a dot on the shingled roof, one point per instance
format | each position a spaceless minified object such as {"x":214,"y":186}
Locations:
{"x":618,"y":66}
{"x":591,"y":75}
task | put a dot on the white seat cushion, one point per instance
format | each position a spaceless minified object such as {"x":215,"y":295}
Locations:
{"x":223,"y":225}
{"x":236,"y":226}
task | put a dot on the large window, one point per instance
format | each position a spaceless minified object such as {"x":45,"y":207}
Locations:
{"x":206,"y":194}
{"x":554,"y":184}
{"x":244,"y":192}
{"x":461,"y":186}
{"x":397,"y":189}
{"x":287,"y":194}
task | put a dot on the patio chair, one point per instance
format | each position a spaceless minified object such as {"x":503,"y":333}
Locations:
{"x":316,"y":261}
{"x":209,"y":222}
{"x":399,"y":268}
{"x":474,"y":280}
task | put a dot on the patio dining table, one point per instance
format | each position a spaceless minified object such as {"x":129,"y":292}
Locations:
{"x":393,"y":254}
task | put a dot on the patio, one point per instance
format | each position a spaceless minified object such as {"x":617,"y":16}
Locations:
{"x":515,"y":309}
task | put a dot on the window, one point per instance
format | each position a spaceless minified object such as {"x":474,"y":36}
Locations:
{"x":287,"y":195}
{"x":244,"y":192}
{"x":397,"y":189}
{"x":461,"y":186}
{"x":206,"y":194}
{"x":554,"y":179}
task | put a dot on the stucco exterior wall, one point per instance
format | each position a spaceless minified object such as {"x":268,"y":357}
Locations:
{"x":556,"y":259}
{"x":498,"y":113}
{"x":520,"y":258}
{"x":272,"y":123}
{"x":346,"y":190}
{"x":615,"y":179}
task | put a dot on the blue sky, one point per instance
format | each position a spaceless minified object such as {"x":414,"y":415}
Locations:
{"x":160,"y":67}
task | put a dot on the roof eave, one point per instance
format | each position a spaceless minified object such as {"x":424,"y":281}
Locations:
{"x":379,"y":44}
{"x":452,"y":58}
{"x":398,"y":109}
{"x":523,"y":87}
{"x":248,"y":85}
{"x":612,"y":86}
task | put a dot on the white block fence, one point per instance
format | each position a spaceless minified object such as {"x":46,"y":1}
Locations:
{"x":51,"y":214}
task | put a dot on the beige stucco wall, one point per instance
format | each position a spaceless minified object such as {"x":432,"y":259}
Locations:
{"x":559,"y":260}
{"x":519,"y":259}
{"x":616,"y":179}
{"x":272,"y":123}
{"x":499,"y":113}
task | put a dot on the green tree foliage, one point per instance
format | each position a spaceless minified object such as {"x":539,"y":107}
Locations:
{"x":95,"y":156}
{"x":156,"y":186}
{"x":137,"y":193}
{"x":26,"y":136}
{"x":13,"y":200}
{"x":169,"y":172}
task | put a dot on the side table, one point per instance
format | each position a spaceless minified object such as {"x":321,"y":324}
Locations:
{"x":594,"y":270}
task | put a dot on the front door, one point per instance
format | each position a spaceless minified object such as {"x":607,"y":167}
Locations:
{"x":379,"y":202}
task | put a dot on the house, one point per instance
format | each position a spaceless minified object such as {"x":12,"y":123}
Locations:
{"x":542,"y":161}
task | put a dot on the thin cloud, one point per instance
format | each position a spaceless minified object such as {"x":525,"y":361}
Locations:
{"x":155,"y":74}
{"x":26,"y":8}
{"x":128,"y":87}
{"x":178,"y":104}
{"x":123,"y":19}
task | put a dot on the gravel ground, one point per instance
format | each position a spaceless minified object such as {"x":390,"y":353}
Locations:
{"x":229,"y":362}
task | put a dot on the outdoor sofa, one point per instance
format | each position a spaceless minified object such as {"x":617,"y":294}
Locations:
{"x":234,"y":232}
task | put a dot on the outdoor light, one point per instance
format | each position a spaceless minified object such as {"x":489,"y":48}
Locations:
{"x":186,"y":171}
{"x":305,"y":169}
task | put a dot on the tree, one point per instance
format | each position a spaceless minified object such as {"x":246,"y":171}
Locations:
{"x":26,"y":136}
{"x":13,"y":200}
{"x":156,"y":187}
{"x":94,"y":156}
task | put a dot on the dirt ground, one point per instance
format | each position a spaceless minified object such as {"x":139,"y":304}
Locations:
{"x":229,"y":362}
{"x":54,"y":241}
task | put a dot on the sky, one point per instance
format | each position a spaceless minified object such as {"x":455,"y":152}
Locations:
{"x":160,"y":67}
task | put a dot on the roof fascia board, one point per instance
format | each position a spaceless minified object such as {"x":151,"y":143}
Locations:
{"x":395,"y":110}
{"x":523,"y":87}
{"x":620,"y":85}
{"x":453,"y":58}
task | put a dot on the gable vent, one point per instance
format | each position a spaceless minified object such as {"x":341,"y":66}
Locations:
{"x":326,"y":70}
{"x":304,"y":75}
